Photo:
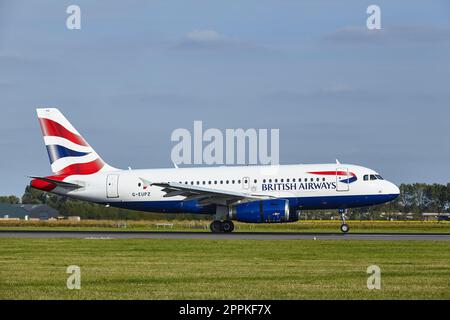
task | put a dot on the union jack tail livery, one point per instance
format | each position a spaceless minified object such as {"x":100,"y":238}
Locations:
{"x":68,"y":151}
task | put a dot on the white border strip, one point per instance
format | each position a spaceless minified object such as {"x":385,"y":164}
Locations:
{"x":62,"y":163}
{"x":66,"y":144}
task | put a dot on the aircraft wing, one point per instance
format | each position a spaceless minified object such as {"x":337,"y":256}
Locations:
{"x":204,"y":195}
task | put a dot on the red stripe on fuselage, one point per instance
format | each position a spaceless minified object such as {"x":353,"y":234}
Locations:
{"x":333,"y":173}
{"x":52,"y":128}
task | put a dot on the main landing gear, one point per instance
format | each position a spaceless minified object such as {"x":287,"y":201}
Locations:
{"x":221,"y":223}
{"x":344,"y":226}
{"x":218,"y":226}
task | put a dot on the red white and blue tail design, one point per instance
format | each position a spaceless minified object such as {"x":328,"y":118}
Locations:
{"x":350,"y":177}
{"x":68,"y":151}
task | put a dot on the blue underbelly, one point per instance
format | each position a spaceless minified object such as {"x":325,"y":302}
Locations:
{"x":300,"y":203}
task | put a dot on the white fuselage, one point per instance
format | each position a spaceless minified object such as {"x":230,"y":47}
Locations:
{"x":313,"y":186}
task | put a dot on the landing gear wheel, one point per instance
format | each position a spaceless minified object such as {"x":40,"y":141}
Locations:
{"x":216,"y":226}
{"x":345,"y":228}
{"x":228,"y":226}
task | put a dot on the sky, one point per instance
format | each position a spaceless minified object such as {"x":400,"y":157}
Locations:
{"x":138,"y":70}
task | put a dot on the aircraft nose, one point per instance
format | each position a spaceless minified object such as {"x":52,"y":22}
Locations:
{"x":394,"y":190}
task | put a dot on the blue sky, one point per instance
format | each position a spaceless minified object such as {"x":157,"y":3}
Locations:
{"x":137,"y":70}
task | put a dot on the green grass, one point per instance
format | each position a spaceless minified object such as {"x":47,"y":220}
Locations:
{"x":227,"y":269}
{"x":202,"y":225}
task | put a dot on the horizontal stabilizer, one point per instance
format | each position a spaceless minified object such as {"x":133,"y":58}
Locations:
{"x":57,"y":183}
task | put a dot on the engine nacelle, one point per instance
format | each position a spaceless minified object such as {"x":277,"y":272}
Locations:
{"x":262,"y":211}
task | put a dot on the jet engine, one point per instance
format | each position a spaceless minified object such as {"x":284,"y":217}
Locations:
{"x":263,"y":211}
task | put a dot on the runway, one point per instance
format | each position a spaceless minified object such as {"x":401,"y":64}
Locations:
{"x":94,"y":235}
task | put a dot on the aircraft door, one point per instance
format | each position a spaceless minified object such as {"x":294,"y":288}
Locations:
{"x":112,"y":186}
{"x":342,"y":178}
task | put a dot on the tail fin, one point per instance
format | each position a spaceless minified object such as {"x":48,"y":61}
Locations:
{"x":68,"y":152}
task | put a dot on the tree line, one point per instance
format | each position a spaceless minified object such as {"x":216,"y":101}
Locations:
{"x":414,"y":198}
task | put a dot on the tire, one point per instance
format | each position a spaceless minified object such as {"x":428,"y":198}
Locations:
{"x":345,"y":228}
{"x":228,"y":226}
{"x":216,"y":226}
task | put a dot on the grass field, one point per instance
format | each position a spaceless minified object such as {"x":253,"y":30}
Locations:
{"x":202,"y":225}
{"x":228,"y":269}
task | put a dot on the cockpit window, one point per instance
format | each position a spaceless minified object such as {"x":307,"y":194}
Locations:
{"x":372,"y":177}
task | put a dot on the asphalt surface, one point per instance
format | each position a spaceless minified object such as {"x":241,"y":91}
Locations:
{"x":210,"y":236}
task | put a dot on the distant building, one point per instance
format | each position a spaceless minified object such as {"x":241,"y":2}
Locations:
{"x":27,"y":211}
{"x":437,"y":216}
{"x":10,"y":211}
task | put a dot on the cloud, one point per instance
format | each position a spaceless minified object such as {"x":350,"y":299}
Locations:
{"x":209,"y":39}
{"x":333,"y":93}
{"x":206,"y":39}
{"x":6,"y":13}
{"x":152,"y":99}
{"x":203,"y":36}
{"x":5,"y":84}
{"x":395,"y":35}
{"x":338,"y":89}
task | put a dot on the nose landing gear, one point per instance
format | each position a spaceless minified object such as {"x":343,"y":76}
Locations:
{"x":344,"y":226}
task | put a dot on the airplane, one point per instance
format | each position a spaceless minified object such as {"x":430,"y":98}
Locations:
{"x":252,"y":194}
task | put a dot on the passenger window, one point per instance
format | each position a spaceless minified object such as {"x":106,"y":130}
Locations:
{"x":293,"y":180}
{"x":264,"y":181}
{"x":287,"y":180}
{"x":255,"y":181}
